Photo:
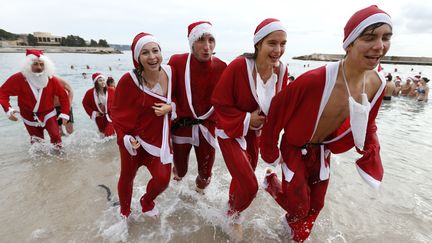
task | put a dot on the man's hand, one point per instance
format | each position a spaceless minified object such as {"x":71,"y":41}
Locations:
{"x":12,"y":116}
{"x":161,"y":108}
{"x":134,"y":142}
{"x":256,"y":120}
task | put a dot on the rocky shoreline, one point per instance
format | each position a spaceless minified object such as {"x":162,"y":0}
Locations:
{"x":388,"y":59}
{"x":62,"y":49}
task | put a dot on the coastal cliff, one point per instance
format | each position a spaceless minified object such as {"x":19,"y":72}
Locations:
{"x":61,"y":49}
{"x":387,"y":59}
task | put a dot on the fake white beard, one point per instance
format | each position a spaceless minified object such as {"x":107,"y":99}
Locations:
{"x":37,"y":80}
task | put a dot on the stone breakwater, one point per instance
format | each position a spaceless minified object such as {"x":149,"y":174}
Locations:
{"x":62,"y":49}
{"x":387,"y":59}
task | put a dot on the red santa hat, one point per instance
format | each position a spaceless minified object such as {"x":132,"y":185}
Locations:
{"x":35,"y":52}
{"x":96,"y":76}
{"x":266,"y":27}
{"x":138,"y":43}
{"x":198,"y":29}
{"x":361,"y":20}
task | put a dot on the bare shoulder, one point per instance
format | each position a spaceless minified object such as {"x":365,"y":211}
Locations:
{"x":373,"y":82}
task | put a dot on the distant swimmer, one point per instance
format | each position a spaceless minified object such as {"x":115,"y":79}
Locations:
{"x":36,"y":86}
{"x":389,"y":88}
{"x":84,"y":75}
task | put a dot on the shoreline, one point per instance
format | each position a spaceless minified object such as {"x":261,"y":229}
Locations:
{"x":62,"y":49}
{"x":425,"y":61}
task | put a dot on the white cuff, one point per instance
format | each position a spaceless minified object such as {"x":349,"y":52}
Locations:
{"x":173,"y":111}
{"x":64,"y":116}
{"x":246,"y":123}
{"x":94,"y":114}
{"x":128,"y":145}
{"x":10,"y":111}
{"x":277,"y":161}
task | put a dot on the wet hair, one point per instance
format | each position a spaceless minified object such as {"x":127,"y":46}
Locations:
{"x":110,"y":81}
{"x":372,"y":28}
{"x":98,"y":88}
{"x":138,"y":71}
{"x":425,"y":79}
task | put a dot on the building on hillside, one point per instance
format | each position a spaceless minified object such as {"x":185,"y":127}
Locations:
{"x":46,"y":38}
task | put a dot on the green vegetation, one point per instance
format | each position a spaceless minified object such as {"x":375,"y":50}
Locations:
{"x":4,"y":35}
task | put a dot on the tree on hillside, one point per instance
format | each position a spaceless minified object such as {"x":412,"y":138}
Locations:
{"x":103,"y":43}
{"x":32,"y":40}
{"x":72,"y":40}
{"x":93,"y":43}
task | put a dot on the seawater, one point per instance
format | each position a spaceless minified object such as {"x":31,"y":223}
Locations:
{"x":56,"y":198}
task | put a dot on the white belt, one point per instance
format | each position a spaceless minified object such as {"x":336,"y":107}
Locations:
{"x":39,"y":123}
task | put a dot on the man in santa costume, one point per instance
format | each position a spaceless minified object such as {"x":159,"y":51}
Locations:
{"x":35,"y":86}
{"x":141,"y":114}
{"x":327,"y":110}
{"x":196,"y":76}
{"x":97,"y":103}
{"x":241,"y":101}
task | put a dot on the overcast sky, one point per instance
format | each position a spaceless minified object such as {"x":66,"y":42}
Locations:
{"x":313,"y":26}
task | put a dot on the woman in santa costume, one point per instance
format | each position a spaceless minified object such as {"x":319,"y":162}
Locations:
{"x":241,"y":101}
{"x":141,"y":117}
{"x":97,"y":103}
{"x":197,"y":74}
{"x":36,"y":88}
{"x":328,"y":110}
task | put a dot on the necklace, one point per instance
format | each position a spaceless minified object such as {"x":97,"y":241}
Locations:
{"x":346,"y":82}
{"x":151,"y":84}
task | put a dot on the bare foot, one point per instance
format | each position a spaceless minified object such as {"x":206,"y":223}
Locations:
{"x":177,"y":178}
{"x":152,"y":214}
{"x":236,"y":232}
{"x":269,"y":171}
{"x":199,"y":190}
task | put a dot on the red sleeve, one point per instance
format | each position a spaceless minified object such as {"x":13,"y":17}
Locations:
{"x":124,"y":108}
{"x":111,"y":94}
{"x":9,"y":88}
{"x":229,"y":117}
{"x":281,"y":109}
{"x":87,"y":102}
{"x":61,"y":92}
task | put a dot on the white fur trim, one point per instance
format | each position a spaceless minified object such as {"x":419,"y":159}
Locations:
{"x":198,"y":31}
{"x":39,"y":123}
{"x":324,"y":169}
{"x":93,"y":116}
{"x":128,"y":145}
{"x":277,"y":161}
{"x":264,"y":31}
{"x":64,"y":116}
{"x":246,"y":123}
{"x":97,"y":77}
{"x":288,"y":174}
{"x":173,"y":111}
{"x":140,"y":44}
{"x":373,"y":19}
{"x":369,"y":179}
{"x":241,"y":141}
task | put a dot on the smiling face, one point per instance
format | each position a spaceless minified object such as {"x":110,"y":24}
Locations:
{"x":151,"y":56}
{"x":368,"y":49}
{"x":203,"y":48}
{"x":272,"y":47}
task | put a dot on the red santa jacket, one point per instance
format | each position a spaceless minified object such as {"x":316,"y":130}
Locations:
{"x":297,"y":110}
{"x":17,"y":85}
{"x":234,"y":97}
{"x":133,"y":116}
{"x":195,"y":82}
{"x":91,"y":103}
